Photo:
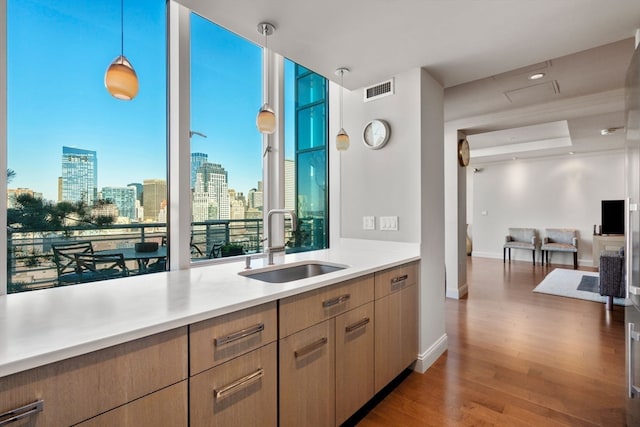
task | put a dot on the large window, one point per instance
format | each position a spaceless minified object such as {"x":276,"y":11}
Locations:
{"x":226,"y":158}
{"x":306,"y":165}
{"x":90,"y":171}
{"x":83,"y":166}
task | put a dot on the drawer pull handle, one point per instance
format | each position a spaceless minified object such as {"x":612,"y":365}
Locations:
{"x":311,"y":347}
{"x":337,"y":300}
{"x":359,"y":324}
{"x":22,"y":412}
{"x":398,"y":282}
{"x":244,"y":381}
{"x":240,"y":334}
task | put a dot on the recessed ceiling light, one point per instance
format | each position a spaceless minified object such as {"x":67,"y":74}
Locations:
{"x":536,"y":76}
{"x":609,"y":131}
{"x":514,"y":158}
{"x":571,"y":152}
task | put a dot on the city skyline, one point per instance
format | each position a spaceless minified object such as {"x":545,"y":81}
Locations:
{"x":130,"y":137}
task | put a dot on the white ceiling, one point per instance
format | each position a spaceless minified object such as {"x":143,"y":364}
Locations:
{"x":478,"y":49}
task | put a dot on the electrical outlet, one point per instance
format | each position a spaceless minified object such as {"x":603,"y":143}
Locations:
{"x":389,"y":223}
{"x":368,"y":222}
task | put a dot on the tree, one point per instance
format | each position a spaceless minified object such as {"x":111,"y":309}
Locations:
{"x":32,"y":214}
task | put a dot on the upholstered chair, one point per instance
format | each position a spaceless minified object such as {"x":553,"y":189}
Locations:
{"x":520,"y":238}
{"x":560,"y":240}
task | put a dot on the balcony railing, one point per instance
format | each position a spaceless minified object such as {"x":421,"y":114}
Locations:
{"x":31,"y":265}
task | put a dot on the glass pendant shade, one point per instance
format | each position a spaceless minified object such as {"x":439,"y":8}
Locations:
{"x":121,"y":80}
{"x":266,"y":120}
{"x":342,"y":140}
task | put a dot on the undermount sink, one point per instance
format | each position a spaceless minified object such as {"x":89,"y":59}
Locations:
{"x":293,"y":271}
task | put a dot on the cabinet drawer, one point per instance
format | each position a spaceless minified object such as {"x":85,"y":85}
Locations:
{"x":81,"y":387}
{"x":241,"y":392}
{"x":222,"y":338}
{"x":301,"y":311}
{"x":166,"y":407}
{"x":395,"y":279}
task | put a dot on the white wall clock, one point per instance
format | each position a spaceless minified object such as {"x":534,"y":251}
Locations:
{"x":376,"y":134}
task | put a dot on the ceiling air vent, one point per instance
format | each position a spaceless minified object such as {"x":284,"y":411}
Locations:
{"x":378,"y":90}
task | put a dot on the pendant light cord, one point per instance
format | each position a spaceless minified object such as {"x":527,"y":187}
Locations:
{"x":341,"y":85}
{"x":121,"y":27}
{"x":265,"y":32}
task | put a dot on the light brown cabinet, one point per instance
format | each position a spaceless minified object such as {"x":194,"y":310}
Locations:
{"x":217,"y":340}
{"x":326,"y":353}
{"x":166,"y":407}
{"x":234,"y":369}
{"x":396,"y":322}
{"x":354,"y":360}
{"x":337,"y":347}
{"x":240,"y":392}
{"x":307,"y":377}
{"x":76,"y":389}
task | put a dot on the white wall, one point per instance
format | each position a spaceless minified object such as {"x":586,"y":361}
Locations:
{"x":561,"y":192}
{"x":406,"y":179}
{"x":384,"y":182}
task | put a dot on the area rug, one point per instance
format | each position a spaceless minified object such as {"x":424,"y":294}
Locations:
{"x":574,"y":284}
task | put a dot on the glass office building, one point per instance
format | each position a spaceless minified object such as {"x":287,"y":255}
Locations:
{"x":79,"y":175}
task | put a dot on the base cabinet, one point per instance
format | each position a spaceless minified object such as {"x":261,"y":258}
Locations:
{"x":354,"y":361}
{"x":82,"y":387}
{"x":166,"y":407}
{"x":307,"y":377}
{"x":240,"y":392}
{"x":396,"y":323}
{"x":312,"y":359}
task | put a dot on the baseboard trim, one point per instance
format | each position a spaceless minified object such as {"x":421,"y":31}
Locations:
{"x":429,"y":357}
{"x":457,"y":293}
{"x":581,"y":262}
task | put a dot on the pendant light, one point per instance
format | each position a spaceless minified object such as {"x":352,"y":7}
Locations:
{"x":342,"y":139}
{"x":266,"y":120}
{"x":120,"y":79}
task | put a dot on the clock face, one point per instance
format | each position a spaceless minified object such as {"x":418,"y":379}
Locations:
{"x":375,"y":134}
{"x":463,"y":152}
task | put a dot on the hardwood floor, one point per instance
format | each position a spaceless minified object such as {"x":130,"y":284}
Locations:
{"x":516,"y":358}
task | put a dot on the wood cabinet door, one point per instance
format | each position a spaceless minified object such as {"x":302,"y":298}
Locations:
{"x":409,"y":323}
{"x":354,"y":361}
{"x":166,"y":407}
{"x":76,"y":389}
{"x":240,"y":392}
{"x":307,"y":377}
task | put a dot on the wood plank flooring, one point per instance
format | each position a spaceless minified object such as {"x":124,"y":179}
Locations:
{"x":516,"y":358}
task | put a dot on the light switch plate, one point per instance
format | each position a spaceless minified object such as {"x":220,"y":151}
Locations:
{"x":368,"y":222}
{"x":389,"y":223}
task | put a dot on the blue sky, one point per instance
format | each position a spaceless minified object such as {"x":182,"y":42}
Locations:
{"x":58,"y":52}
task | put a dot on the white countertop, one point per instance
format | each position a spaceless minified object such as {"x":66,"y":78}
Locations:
{"x":45,"y":326}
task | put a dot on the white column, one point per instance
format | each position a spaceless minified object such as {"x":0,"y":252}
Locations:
{"x":179,"y":117}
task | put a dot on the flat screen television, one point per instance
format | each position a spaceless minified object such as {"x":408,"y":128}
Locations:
{"x":612,"y":217}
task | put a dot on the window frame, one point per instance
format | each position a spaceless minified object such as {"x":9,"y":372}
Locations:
{"x":178,"y":143}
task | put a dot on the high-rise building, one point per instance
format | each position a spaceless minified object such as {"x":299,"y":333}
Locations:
{"x":79,"y":175}
{"x":255,"y":198}
{"x":124,"y":198}
{"x":138,"y":187}
{"x":197,"y":159}
{"x":289,"y":184}
{"x":155,"y":193}
{"x":211,"y":191}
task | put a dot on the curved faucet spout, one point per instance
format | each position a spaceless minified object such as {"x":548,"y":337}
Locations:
{"x":270,"y":249}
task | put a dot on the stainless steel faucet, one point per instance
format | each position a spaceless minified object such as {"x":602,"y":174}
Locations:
{"x":270,"y":249}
